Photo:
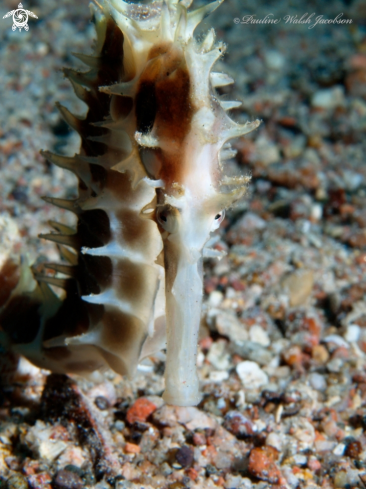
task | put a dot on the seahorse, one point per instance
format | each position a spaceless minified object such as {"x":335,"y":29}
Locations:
{"x":152,"y":187}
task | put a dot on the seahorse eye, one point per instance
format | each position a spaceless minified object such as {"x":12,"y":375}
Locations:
{"x":217,"y":220}
{"x":167,"y":217}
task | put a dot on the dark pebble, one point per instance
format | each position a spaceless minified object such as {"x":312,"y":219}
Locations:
{"x":211,"y":470}
{"x":353,"y":449}
{"x":184,"y":456}
{"x":17,"y":482}
{"x":101,"y":403}
{"x":67,"y":480}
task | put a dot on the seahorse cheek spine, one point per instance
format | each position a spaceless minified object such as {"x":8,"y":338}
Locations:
{"x":152,"y":187}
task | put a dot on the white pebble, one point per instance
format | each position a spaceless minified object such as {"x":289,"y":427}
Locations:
{"x":352,"y":333}
{"x":274,"y":60}
{"x":339,"y":449}
{"x":258,"y":335}
{"x":218,"y":376}
{"x":317,"y":381}
{"x":274,"y":440}
{"x":251,"y":375}
{"x":328,"y":98}
{"x":215,"y":298}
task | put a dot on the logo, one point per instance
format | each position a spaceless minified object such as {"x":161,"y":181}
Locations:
{"x":20,"y":18}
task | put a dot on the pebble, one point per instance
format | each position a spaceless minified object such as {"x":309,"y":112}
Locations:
{"x":274,"y":60}
{"x":335,"y":365}
{"x":267,"y":152}
{"x":262,"y":464}
{"x":347,"y":478}
{"x":328,"y":98}
{"x":215,"y":298}
{"x":274,"y":440}
{"x":229,"y":325}
{"x":17,"y":482}
{"x":339,"y":449}
{"x":251,"y":222}
{"x":317,"y":381}
{"x":239,"y":425}
{"x":299,"y":286}
{"x":320,"y":354}
{"x":66,"y":479}
{"x":251,"y":375}
{"x":140,"y":410}
{"x":184,"y":456}
{"x":352,"y":333}
{"x":258,"y":335}
{"x":218,"y":355}
{"x":101,"y":403}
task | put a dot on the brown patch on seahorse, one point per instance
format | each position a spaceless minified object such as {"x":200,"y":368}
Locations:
{"x":163,"y":104}
{"x":132,"y":281}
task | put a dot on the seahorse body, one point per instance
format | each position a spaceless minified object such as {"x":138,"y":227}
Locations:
{"x":152,"y":188}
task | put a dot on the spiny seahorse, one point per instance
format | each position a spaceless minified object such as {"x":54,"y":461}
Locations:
{"x":152,"y":187}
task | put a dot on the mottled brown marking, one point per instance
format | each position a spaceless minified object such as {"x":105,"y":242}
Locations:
{"x":122,"y":329}
{"x":21,"y":319}
{"x":134,"y":230}
{"x":130,"y":279}
{"x":9,"y":277}
{"x":163,"y":101}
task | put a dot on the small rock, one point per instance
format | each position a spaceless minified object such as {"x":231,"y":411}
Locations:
{"x":251,"y":375}
{"x":17,"y":482}
{"x":218,"y":356}
{"x":262,"y":464}
{"x":67,"y":480}
{"x":131,"y":448}
{"x":101,"y":403}
{"x":140,"y":410}
{"x":40,"y":481}
{"x":239,"y":425}
{"x":352,"y":333}
{"x":218,"y":376}
{"x":184,"y":456}
{"x":266,"y":151}
{"x":274,"y":440}
{"x":317,"y":381}
{"x":274,"y":60}
{"x":320,"y":354}
{"x":258,"y":335}
{"x":328,"y":98}
{"x":314,"y":464}
{"x":251,"y":222}
{"x":346,"y":478}
{"x":353,"y":449}
{"x":215,"y":298}
{"x":339,"y":449}
{"x":299,"y":286}
{"x":229,"y":325}
{"x":335,"y":365}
